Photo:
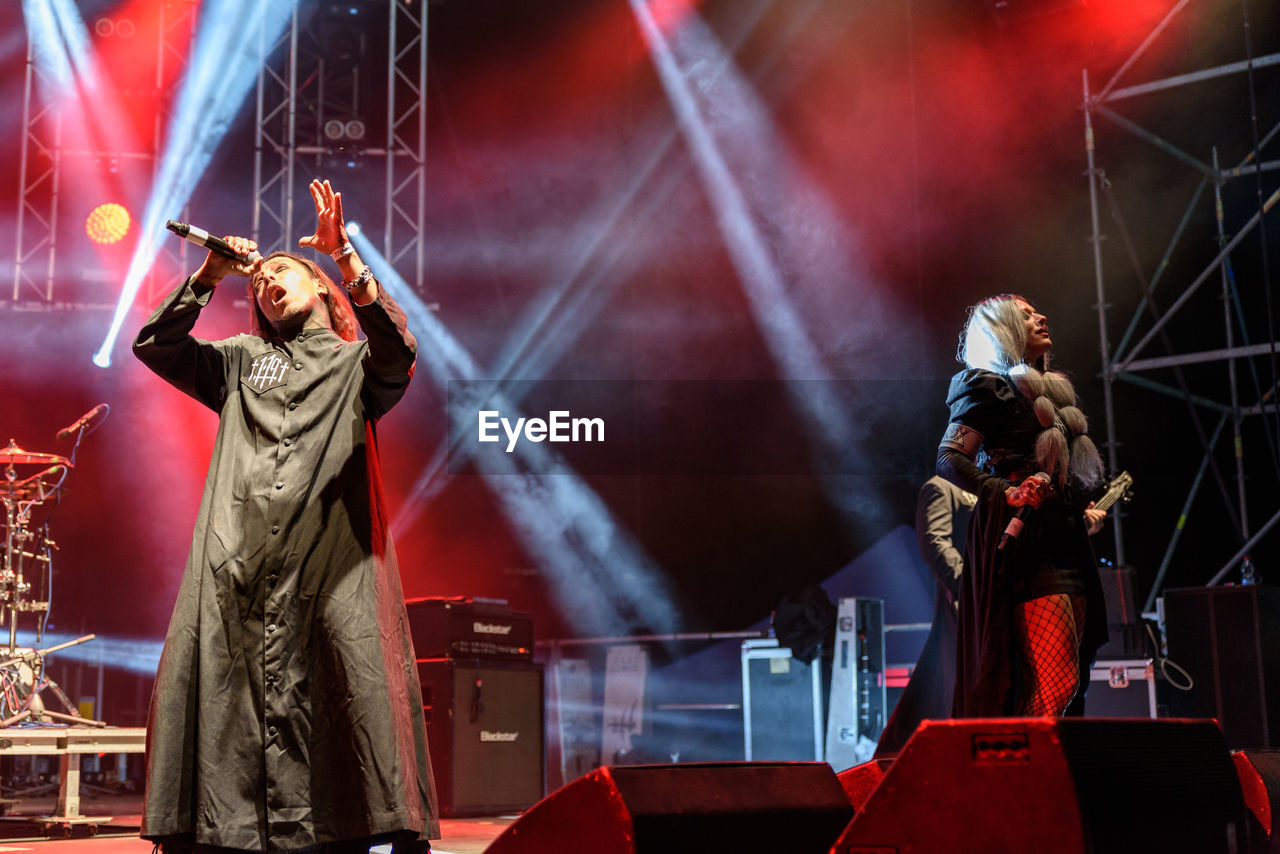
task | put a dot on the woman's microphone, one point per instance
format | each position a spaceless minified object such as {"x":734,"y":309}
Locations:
{"x":1034,"y":495}
{"x":200,"y":237}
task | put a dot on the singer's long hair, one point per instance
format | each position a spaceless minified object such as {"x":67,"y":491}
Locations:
{"x":995,"y":339}
{"x":995,"y":335}
{"x":341,"y":317}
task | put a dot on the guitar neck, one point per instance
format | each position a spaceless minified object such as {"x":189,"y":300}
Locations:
{"x":1115,"y":491}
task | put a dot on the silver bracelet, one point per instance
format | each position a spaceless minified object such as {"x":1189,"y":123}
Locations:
{"x":342,"y":251}
{"x":360,"y":281}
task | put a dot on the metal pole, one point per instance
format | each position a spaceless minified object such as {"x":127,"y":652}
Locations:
{"x":259,"y":134}
{"x":422,"y":146}
{"x":1244,"y":550}
{"x":53,"y":206}
{"x":1228,"y":326}
{"x":1100,"y":290}
{"x":1182,"y":519}
{"x":1128,"y":63}
{"x":1203,"y":277}
{"x":292,"y":134}
{"x":22,"y":168}
{"x":393,"y":51}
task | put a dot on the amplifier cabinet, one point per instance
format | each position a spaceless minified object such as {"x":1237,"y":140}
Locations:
{"x":781,"y":703}
{"x":469,"y":628}
{"x":1228,"y":640}
{"x":485,"y":733}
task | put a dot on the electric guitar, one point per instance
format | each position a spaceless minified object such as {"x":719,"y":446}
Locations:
{"x":1117,"y":490}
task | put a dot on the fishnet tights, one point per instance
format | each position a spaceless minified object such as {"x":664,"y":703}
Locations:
{"x":1050,"y":628}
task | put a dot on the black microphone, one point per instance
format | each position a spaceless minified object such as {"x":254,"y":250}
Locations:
{"x":1014,"y":528}
{"x":200,"y":237}
{"x":87,"y":422}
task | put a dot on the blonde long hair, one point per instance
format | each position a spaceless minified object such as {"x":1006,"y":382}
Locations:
{"x":995,"y":339}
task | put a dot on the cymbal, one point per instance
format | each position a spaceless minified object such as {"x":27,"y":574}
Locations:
{"x":15,"y":455}
{"x":19,"y":492}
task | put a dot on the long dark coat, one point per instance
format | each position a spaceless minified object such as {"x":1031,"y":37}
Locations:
{"x":287,"y":711}
{"x":991,"y":677}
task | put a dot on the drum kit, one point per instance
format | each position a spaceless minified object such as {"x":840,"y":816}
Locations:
{"x":29,"y":491}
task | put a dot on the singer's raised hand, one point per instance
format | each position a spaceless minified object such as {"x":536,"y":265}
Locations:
{"x":331,"y":228}
{"x":331,"y":238}
{"x":216,"y":266}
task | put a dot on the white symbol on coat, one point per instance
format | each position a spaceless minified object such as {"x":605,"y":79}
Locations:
{"x":267,"y":370}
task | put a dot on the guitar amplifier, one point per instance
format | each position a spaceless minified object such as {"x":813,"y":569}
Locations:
{"x":485,"y":733}
{"x":464,"y":627}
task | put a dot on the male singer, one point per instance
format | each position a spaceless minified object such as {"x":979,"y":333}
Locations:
{"x":286,"y":714}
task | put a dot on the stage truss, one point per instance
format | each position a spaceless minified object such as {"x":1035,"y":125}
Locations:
{"x":1128,"y":362}
{"x":41,"y":161}
{"x":295,"y":82}
{"x":301,"y":91}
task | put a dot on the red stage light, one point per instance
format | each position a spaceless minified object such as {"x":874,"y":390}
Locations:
{"x":107,"y":223}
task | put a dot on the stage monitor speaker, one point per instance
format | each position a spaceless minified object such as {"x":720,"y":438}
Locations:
{"x":1259,"y":772}
{"x":861,"y":780}
{"x":485,"y":733}
{"x":1055,"y":787}
{"x":1228,"y":640}
{"x":724,"y":808}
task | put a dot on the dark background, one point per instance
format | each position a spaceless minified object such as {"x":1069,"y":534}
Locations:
{"x":899,"y":161}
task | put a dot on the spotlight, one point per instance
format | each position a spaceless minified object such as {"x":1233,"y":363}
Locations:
{"x":107,"y":223}
{"x":353,"y":228}
{"x":335,"y":130}
{"x":108,"y":27}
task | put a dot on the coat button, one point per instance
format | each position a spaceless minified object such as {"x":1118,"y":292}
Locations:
{"x":279,"y":484}
{"x":293,"y":405}
{"x":275,"y":529}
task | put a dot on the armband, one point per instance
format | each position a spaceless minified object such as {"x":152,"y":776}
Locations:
{"x":960,"y":438}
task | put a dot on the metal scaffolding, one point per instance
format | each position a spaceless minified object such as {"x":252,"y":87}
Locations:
{"x":313,"y":115}
{"x":43,"y":154}
{"x":40,"y":161}
{"x":1127,"y":362}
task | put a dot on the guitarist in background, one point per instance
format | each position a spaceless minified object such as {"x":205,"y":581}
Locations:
{"x":942,"y":524}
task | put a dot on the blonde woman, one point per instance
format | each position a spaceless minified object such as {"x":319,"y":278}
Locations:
{"x":1031,"y":609}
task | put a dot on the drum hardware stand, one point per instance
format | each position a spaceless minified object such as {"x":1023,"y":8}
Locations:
{"x":22,"y":673}
{"x":22,"y":676}
{"x":35,"y":710}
